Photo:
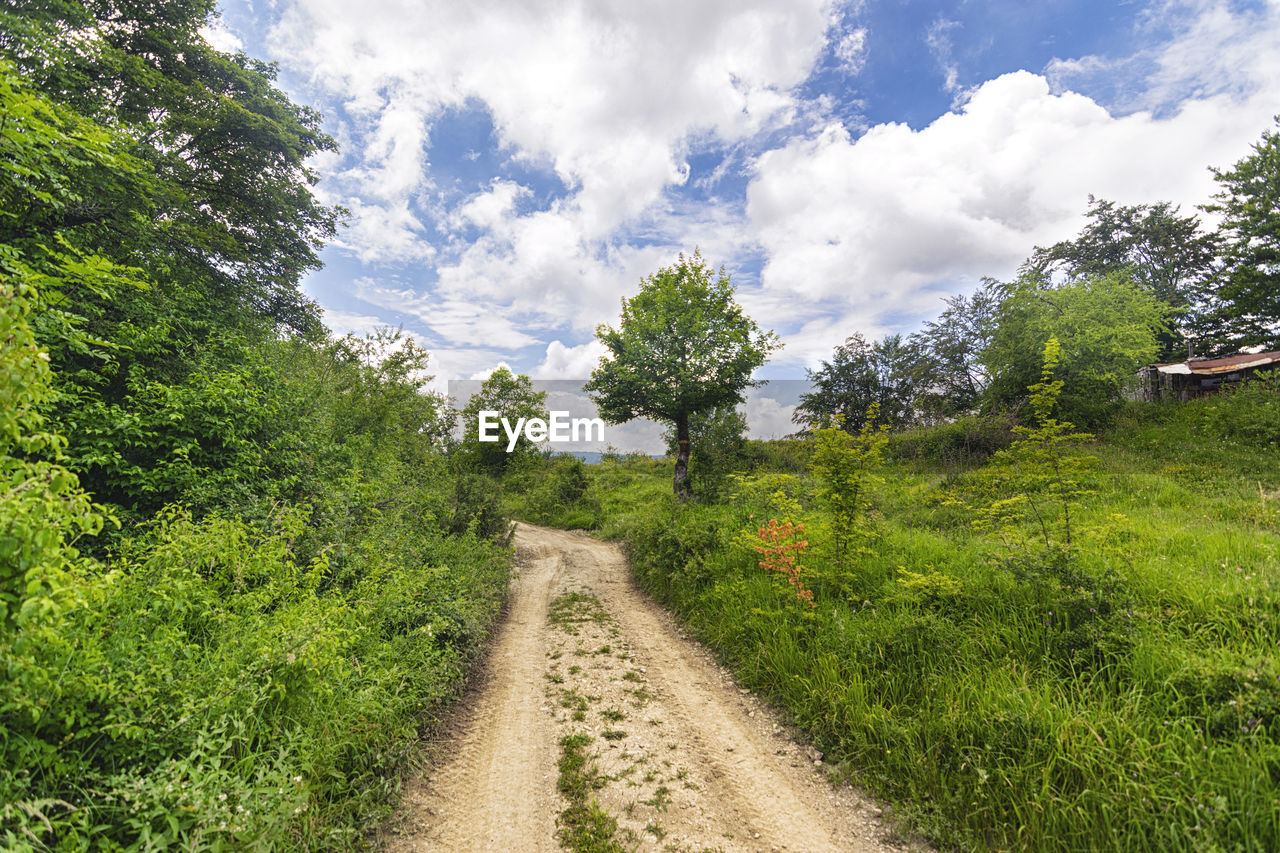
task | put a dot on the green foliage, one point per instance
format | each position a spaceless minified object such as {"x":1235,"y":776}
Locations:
{"x":1035,"y":493}
{"x":232,"y":682}
{"x":1038,"y":480}
{"x":859,"y":376}
{"x":948,"y":373}
{"x":166,"y":201}
{"x":583,"y":827}
{"x":1246,"y":305}
{"x":845,"y":468}
{"x":1166,"y":255}
{"x":229,"y":212}
{"x":1248,"y":412}
{"x":682,"y":346}
{"x":43,"y":510}
{"x":513,"y":398}
{"x":1107,"y":326}
{"x":297,"y":579}
{"x":555,"y":490}
{"x":214,"y":692}
{"x":718,"y":444}
{"x":957,"y":444}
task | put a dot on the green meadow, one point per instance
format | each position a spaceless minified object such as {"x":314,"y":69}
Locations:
{"x":1127,"y":702}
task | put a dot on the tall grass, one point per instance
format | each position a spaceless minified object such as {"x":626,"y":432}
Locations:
{"x":997,"y":711}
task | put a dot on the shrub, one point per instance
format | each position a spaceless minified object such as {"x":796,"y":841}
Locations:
{"x":965,"y":442}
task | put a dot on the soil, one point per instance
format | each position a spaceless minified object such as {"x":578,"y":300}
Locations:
{"x":685,"y":759}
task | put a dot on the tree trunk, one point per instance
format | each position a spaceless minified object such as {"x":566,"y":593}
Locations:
{"x":681,"y":481}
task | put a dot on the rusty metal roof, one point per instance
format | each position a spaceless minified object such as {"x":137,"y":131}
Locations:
{"x":1228,"y":364}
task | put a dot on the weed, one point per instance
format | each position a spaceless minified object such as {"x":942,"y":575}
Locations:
{"x":661,"y":798}
{"x":572,"y":609}
{"x":583,"y":827}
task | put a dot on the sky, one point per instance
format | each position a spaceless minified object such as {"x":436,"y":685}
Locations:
{"x":514,"y":169}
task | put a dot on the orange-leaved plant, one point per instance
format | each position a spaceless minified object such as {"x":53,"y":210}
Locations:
{"x":780,"y":549}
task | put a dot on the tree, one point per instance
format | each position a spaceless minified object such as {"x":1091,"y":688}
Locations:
{"x":1246,"y":304}
{"x":949,"y":376}
{"x":513,"y":398}
{"x":718,"y":443}
{"x":1107,"y":326}
{"x":858,"y":376}
{"x":682,"y":346}
{"x":1167,"y":255}
{"x":230,"y":212}
{"x":844,"y":465}
{"x":188,"y":170}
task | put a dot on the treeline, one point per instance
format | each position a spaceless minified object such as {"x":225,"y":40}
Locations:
{"x":238,"y":575}
{"x":1139,"y":284}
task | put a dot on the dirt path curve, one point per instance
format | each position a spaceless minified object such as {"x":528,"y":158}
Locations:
{"x":682,"y":759}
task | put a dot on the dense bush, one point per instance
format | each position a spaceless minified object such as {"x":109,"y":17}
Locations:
{"x":968,"y":440}
{"x":1249,"y":412}
{"x":552,"y":489}
{"x":210,"y":692}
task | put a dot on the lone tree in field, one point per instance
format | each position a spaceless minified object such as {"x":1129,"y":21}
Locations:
{"x":682,"y":347}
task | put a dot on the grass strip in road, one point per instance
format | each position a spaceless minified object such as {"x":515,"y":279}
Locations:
{"x":571,"y":609}
{"x":584,"y":827}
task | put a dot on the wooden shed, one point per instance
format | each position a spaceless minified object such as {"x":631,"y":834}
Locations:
{"x":1197,"y":377}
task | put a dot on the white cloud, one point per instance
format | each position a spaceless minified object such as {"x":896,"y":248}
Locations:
{"x":1213,"y":49}
{"x":610,"y":96}
{"x":607,"y":93}
{"x":565,"y":362}
{"x":856,"y":232}
{"x":491,"y":208}
{"x":875,"y":223}
{"x":489,"y":371}
{"x":221,"y":38}
{"x":851,"y":50}
{"x":384,"y":232}
{"x":454,"y":320}
{"x":767,"y":418}
{"x":938,"y":38}
{"x":347,"y":322}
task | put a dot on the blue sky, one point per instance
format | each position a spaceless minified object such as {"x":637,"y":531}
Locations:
{"x":514,"y":169}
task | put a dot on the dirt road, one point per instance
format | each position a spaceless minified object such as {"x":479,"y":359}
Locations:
{"x":679,"y":756}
